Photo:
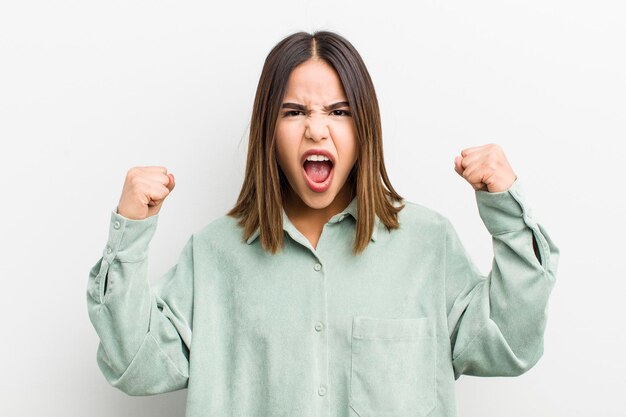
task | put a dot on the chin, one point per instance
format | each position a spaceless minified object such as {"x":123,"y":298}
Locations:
{"x":318,"y":200}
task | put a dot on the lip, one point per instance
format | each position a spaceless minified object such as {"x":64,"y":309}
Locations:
{"x":317,"y":152}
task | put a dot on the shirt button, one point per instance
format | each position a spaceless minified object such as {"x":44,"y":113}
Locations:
{"x":108,"y":249}
{"x":319,"y":326}
{"x":117,"y":224}
{"x":321,"y":390}
{"x":317,"y":267}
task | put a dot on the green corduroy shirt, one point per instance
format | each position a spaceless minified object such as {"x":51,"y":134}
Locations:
{"x":312,"y":332}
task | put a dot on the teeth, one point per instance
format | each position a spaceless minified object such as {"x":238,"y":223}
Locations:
{"x":317,"y":158}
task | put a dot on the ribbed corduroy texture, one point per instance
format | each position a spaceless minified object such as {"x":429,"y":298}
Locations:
{"x":320,"y":332}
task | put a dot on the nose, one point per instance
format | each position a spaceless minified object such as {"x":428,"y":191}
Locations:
{"x":316,"y":128}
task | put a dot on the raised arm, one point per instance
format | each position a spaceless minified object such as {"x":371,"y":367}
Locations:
{"x":144,"y":330}
{"x":496,"y":322}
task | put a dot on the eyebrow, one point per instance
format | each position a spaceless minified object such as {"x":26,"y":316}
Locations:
{"x":300,"y":107}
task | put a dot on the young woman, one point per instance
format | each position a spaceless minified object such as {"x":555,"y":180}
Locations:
{"x":322,"y":292}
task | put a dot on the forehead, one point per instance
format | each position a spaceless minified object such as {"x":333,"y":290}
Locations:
{"x":314,"y":80}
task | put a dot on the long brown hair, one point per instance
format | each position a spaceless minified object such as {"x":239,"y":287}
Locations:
{"x":260,"y":201}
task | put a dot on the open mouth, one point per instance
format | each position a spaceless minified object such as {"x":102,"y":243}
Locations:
{"x":318,"y":171}
{"x":318,"y":174}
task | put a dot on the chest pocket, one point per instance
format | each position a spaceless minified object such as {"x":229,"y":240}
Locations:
{"x":393,"y":367}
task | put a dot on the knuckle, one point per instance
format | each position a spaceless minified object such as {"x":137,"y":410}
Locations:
{"x":134,"y":172}
{"x":134,"y":180}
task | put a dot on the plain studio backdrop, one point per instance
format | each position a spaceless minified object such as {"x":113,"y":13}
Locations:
{"x":91,"y":89}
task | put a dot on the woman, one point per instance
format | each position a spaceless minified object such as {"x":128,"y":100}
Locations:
{"x":322,"y":292}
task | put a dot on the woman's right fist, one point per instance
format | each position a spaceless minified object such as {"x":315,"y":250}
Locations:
{"x":145,"y":189}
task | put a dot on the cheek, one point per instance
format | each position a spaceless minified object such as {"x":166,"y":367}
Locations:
{"x":345,"y":141}
{"x":286,"y":150}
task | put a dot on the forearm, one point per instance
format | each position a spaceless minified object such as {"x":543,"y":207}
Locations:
{"x":497,"y":322}
{"x":144,"y":330}
{"x":119,"y":300}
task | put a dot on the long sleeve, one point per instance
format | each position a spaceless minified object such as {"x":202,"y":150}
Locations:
{"x":497,"y":322}
{"x":144,"y":330}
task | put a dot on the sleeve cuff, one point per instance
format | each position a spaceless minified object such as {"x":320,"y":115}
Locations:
{"x":129,"y":239}
{"x":504,"y":211}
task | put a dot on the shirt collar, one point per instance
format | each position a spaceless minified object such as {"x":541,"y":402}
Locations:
{"x":350,"y":209}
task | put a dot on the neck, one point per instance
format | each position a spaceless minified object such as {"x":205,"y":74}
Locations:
{"x":299,"y":212}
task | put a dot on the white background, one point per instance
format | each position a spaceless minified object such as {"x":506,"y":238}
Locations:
{"x":89,"y":89}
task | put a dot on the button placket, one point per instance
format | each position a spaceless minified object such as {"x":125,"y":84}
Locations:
{"x":320,"y":313}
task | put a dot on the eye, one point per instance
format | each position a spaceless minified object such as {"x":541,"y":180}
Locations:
{"x":291,"y":113}
{"x":340,"y":113}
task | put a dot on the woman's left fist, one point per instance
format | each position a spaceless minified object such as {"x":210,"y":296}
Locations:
{"x":485,"y":168}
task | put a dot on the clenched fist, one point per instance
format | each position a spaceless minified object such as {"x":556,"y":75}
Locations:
{"x":145,"y":189}
{"x":485,"y":168}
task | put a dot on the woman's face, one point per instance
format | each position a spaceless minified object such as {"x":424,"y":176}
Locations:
{"x":315,"y":117}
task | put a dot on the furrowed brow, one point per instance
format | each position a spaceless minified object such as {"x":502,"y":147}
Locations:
{"x":293,"y":106}
{"x":337,"y":105}
{"x":334,"y":106}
